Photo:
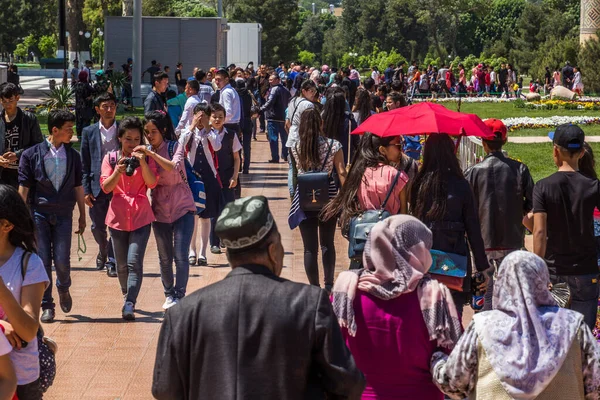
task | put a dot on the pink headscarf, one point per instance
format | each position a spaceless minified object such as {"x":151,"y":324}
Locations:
{"x":83,"y":76}
{"x":397,"y":258}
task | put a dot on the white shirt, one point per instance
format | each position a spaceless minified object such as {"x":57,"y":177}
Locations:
{"x":108,"y":138}
{"x":294,"y":111}
{"x":188,"y":113}
{"x":26,"y":360}
{"x":237,"y":146}
{"x":492,"y":77}
{"x":375,"y":77}
{"x":55,"y":162}
{"x":204,"y":137}
{"x":230,"y":100}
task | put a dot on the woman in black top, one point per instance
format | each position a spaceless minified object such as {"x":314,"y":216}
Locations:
{"x":442,"y":198}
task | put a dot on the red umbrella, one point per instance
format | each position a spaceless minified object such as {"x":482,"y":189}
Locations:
{"x":424,"y":118}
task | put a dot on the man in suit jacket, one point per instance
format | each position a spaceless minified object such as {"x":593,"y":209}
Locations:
{"x":254,"y":335}
{"x":98,"y":140}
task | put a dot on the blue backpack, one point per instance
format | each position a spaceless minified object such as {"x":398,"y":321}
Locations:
{"x":193,"y":180}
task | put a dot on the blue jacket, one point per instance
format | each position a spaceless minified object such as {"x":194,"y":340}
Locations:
{"x":43,"y":196}
{"x":91,"y":158}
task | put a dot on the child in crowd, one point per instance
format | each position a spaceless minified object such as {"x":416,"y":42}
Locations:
{"x":50,"y":178}
{"x":201,"y":143}
{"x":228,"y":158}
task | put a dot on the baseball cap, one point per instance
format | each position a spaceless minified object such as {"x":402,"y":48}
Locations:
{"x":498,"y":129}
{"x":568,"y":136}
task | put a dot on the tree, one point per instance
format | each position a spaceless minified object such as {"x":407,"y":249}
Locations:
{"x":95,"y":10}
{"x":47,"y":46}
{"x":312,"y":35}
{"x":588,"y":61}
{"x":192,"y":9}
{"x":127,"y":8}
{"x":279,"y":19}
{"x":74,"y":24}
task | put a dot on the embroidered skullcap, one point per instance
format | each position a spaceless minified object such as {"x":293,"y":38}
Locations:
{"x":245,"y":223}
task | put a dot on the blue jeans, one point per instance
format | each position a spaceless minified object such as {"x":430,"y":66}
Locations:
{"x":54,"y":245}
{"x":130,"y":248}
{"x":276,"y":129}
{"x":98,"y":217}
{"x":173,"y":241}
{"x":584,"y":294}
{"x":292,"y":174}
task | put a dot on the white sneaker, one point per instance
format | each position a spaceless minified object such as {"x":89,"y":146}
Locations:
{"x":127,"y":311}
{"x":170,"y":302}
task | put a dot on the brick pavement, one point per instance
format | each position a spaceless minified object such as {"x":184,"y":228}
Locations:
{"x":103,"y":357}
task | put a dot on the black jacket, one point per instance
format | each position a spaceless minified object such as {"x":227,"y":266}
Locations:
{"x":277,"y":102}
{"x":460,"y":223}
{"x":254,"y":335}
{"x":503,"y":191}
{"x":29,"y":134}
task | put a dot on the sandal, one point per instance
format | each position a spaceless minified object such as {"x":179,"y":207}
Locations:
{"x":192,"y":259}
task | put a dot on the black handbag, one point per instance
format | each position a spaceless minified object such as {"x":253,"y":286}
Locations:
{"x":361,"y":225}
{"x":313,"y":187}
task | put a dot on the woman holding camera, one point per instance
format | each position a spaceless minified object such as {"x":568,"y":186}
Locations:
{"x":172,"y":203}
{"x":128,"y":174}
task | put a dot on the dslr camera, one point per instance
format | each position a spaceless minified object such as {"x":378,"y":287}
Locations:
{"x":131,"y":163}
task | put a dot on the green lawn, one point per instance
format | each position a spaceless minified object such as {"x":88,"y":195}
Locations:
{"x":538,"y":157}
{"x":508,"y":110}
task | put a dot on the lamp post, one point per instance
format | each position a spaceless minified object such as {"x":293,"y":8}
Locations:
{"x":100,"y":47}
{"x":87,"y":35}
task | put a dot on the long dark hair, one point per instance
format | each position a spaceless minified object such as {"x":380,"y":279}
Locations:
{"x":367,"y":156}
{"x":309,"y":132}
{"x":163,"y":122}
{"x":429,"y":191}
{"x":334,"y":113}
{"x":363,"y":105}
{"x":587,"y":163}
{"x":14,"y":210}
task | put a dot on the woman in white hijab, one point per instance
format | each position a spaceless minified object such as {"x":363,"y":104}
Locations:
{"x":526,"y":348}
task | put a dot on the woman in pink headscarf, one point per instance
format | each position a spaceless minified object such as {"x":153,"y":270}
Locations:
{"x":394,"y":316}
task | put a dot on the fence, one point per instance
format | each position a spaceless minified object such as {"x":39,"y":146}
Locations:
{"x":470,"y":151}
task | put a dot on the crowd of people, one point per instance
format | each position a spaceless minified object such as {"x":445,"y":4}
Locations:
{"x":390,"y":327}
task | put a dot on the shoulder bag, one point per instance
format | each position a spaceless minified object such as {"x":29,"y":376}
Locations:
{"x":193,"y":180}
{"x":313,"y":186}
{"x":361,"y":225}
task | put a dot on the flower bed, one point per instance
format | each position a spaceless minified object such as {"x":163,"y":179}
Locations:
{"x":514,"y":124}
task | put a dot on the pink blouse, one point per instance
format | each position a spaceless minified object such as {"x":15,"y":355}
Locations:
{"x":129,"y":208}
{"x":374,"y":187}
{"x":172,"y":198}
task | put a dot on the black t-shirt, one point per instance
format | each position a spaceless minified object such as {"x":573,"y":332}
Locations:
{"x":548,"y":78}
{"x":13,"y":128}
{"x":569,"y":198}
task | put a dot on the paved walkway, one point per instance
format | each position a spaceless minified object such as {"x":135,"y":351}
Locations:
{"x":102,"y":357}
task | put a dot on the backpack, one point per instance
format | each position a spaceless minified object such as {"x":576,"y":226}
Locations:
{"x":46,"y":354}
{"x":313,"y":187}
{"x":193,"y":180}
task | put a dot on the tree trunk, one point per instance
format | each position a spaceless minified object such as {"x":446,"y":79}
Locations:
{"x":127,"y":8}
{"x":74,"y":22}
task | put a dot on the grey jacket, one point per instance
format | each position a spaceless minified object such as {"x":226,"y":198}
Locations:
{"x":91,"y":158}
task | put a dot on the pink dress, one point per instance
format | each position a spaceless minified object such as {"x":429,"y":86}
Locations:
{"x":374,"y":187}
{"x":392,"y":348}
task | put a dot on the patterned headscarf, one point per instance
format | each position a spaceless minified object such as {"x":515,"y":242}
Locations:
{"x":396,"y":260}
{"x":527,"y":336}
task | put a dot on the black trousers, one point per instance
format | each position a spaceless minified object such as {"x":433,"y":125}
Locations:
{"x":315,"y":232}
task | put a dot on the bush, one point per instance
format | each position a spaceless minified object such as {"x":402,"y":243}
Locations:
{"x":48,"y":46}
{"x":307,"y":58}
